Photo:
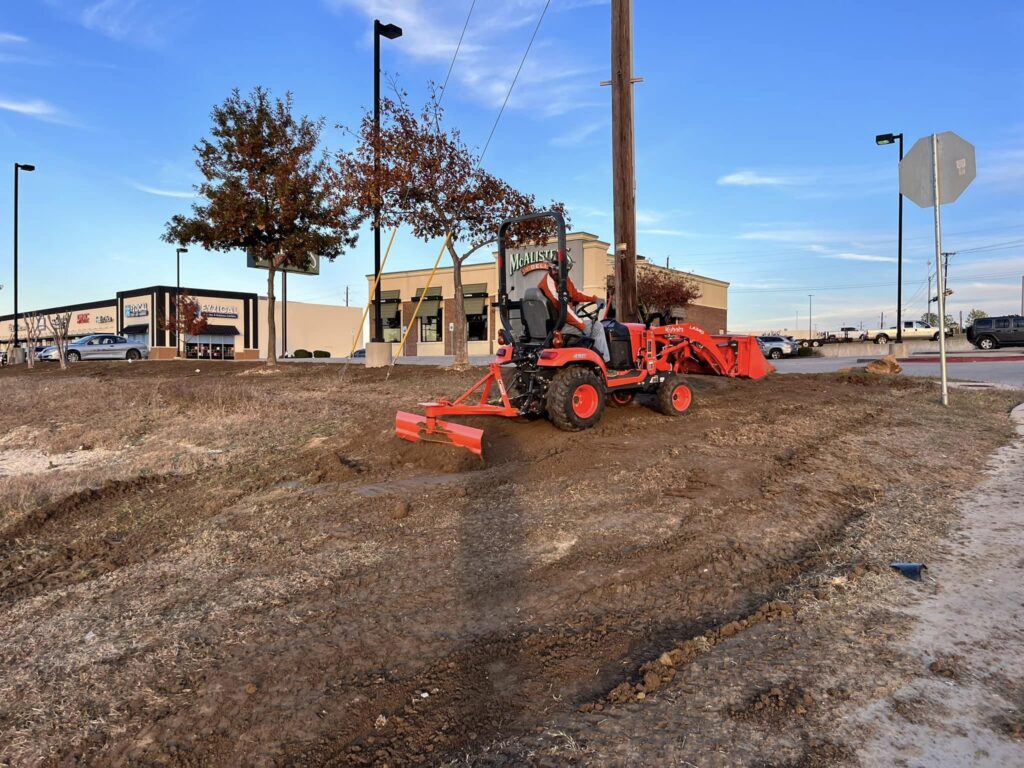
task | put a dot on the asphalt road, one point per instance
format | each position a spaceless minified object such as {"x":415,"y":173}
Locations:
{"x":1007,"y":374}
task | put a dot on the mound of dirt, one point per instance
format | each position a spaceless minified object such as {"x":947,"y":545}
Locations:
{"x":885,"y":366}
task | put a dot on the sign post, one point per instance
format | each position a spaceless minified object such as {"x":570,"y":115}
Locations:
{"x":936,"y":171}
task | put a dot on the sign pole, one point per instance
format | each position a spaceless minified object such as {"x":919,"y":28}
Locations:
{"x":938,"y":269}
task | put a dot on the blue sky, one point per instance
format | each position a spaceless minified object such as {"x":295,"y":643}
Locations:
{"x":756,"y":162}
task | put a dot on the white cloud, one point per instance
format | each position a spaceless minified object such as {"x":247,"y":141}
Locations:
{"x":37,"y":108}
{"x":755,"y":179}
{"x":8,"y":38}
{"x":578,"y":135}
{"x":162,"y":192}
{"x":667,"y":232}
{"x":139,"y":22}
{"x":845,"y":256}
{"x":553,"y":81}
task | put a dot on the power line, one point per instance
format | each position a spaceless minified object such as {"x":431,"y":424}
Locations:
{"x":456,"y":54}
{"x":514,"y":79}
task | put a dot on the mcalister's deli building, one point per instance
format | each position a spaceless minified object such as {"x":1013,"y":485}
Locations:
{"x":592,"y":264}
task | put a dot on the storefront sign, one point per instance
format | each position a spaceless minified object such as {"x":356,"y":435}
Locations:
{"x":82,"y":318}
{"x":219,"y":310}
{"x":136,"y":310}
{"x":526,"y":265}
{"x":104,"y":319}
{"x":310,"y":267}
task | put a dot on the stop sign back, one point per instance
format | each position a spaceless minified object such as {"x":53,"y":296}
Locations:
{"x":957,"y":170}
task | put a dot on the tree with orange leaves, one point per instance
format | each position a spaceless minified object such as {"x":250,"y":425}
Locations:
{"x":428,"y":179}
{"x":265,"y":190}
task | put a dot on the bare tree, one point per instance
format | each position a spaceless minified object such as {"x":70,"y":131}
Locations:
{"x":59,"y":324}
{"x":31,"y":322}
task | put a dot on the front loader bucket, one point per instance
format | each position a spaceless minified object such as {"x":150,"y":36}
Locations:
{"x":750,"y":362}
{"x":414,"y":428}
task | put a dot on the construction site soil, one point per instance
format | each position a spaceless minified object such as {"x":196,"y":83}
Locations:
{"x":214,"y":566}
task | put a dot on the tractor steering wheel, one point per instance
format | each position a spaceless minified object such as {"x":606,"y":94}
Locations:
{"x":591,"y":310}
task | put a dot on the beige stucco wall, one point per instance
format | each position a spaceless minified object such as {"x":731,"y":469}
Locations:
{"x":710,"y":310}
{"x":313,"y":326}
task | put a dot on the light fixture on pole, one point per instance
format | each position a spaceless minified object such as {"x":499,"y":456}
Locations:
{"x":177,"y":303}
{"x":391,"y":32}
{"x":881,"y":140}
{"x":28,"y":169}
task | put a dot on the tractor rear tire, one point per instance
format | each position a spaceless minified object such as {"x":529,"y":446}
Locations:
{"x":674,"y":397}
{"x":575,"y":399}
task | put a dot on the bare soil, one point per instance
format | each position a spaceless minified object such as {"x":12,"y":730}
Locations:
{"x":221,"y":568}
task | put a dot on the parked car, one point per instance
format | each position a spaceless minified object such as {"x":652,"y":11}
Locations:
{"x":777,"y":346}
{"x":47,"y":353}
{"x":104,"y":346}
{"x":995,"y":332}
{"x":359,"y":353}
{"x":846,"y":333}
{"x":912,"y":329}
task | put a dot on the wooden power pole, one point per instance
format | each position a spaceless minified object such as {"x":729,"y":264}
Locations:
{"x":623,"y":161}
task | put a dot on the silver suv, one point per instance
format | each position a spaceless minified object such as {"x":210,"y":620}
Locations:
{"x":777,"y":346}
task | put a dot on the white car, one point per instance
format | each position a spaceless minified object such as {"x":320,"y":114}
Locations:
{"x":775,"y":347}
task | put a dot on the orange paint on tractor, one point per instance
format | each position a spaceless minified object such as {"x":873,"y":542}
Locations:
{"x":564,"y":378}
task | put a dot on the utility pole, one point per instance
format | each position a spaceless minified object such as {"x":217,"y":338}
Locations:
{"x":623,"y":161}
{"x":346,"y":295}
{"x":284,"y":312}
{"x":881,"y":320}
{"x":928,"y":309}
{"x":1022,"y":294}
{"x":810,"y":315}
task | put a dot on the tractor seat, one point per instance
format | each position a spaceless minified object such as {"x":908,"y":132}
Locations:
{"x":538,"y":315}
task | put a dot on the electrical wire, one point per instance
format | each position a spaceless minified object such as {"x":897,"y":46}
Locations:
{"x":514,"y":79}
{"x":456,"y":54}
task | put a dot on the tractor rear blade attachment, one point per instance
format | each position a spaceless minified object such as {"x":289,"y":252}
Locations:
{"x":414,"y":428}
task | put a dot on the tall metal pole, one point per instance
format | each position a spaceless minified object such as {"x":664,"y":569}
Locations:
{"x":16,"y":167}
{"x":899,"y":265}
{"x":623,"y":161}
{"x":177,"y":307}
{"x":284,"y":312}
{"x":1022,"y":294}
{"x":938,"y":269}
{"x":378,"y":321}
{"x":810,"y":315}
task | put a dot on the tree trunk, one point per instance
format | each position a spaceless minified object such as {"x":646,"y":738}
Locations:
{"x":460,"y":344}
{"x":271,"y":323}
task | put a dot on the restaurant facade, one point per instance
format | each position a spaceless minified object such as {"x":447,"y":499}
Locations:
{"x":431,"y":334}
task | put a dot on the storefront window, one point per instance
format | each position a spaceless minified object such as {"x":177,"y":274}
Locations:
{"x":475,"y":304}
{"x":391,"y":315}
{"x":430,"y":326}
{"x":430,"y":315}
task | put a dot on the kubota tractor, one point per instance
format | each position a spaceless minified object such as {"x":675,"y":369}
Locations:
{"x":544,"y":368}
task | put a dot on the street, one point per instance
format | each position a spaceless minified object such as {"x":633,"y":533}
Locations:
{"x":1006,"y":374}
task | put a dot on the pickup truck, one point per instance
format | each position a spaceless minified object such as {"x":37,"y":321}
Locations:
{"x":912,"y":329}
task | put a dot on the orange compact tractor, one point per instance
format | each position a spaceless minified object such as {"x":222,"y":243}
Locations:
{"x":545,"y":367}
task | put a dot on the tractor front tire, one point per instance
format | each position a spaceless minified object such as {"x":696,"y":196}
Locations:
{"x":674,"y":397}
{"x":575,"y":399}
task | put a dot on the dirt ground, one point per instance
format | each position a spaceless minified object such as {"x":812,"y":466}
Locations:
{"x":222,"y":567}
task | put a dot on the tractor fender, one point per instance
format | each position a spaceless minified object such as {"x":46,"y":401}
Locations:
{"x":565,"y":356}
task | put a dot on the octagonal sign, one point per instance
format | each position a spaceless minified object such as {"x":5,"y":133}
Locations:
{"x":957,"y":170}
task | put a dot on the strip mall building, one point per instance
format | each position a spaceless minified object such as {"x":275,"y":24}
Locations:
{"x":592,"y":264}
{"x":236,"y":323}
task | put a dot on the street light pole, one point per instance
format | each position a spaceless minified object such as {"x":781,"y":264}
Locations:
{"x":177,"y":303}
{"x":391,"y":32}
{"x":810,"y":315}
{"x":881,"y":139}
{"x":28,"y":169}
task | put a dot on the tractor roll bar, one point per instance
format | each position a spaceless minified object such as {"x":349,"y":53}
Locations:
{"x":563,"y":275}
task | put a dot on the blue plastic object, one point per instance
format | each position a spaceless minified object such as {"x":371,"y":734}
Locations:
{"x":911,"y":570}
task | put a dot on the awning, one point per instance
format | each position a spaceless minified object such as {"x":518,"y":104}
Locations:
{"x":389,"y":310}
{"x":137,"y":328}
{"x":472,"y":289}
{"x":429,"y":307}
{"x":476,"y":305}
{"x":219,"y":330}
